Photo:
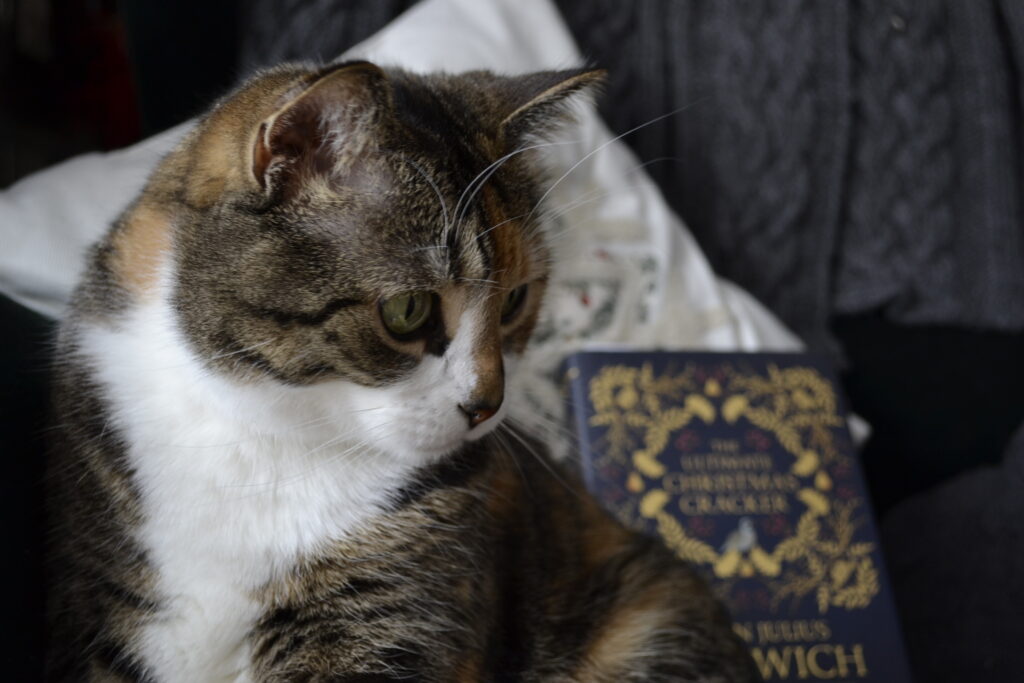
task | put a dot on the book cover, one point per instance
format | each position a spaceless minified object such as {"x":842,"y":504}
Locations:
{"x":743,"y":464}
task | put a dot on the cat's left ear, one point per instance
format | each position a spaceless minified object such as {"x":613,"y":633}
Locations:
{"x":542,"y":99}
{"x":322,"y":130}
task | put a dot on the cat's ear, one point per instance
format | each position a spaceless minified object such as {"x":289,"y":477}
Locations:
{"x":538,"y":100}
{"x":323,"y":129}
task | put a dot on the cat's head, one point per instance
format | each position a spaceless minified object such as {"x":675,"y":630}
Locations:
{"x":366,"y":241}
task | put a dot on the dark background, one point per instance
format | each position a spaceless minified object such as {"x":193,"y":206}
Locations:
{"x":79,"y":75}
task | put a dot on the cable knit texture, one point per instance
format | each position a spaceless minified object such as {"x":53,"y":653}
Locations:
{"x":897,"y":239}
{"x":831,"y":157}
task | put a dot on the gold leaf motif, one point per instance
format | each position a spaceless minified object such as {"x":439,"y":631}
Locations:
{"x":765,"y":563}
{"x":859,"y":549}
{"x":627,"y":398}
{"x":806,"y":464}
{"x":701,"y":407}
{"x":652,"y":503}
{"x":689,"y":549}
{"x":727,"y":564}
{"x":842,"y":570}
{"x":733,"y":408}
{"x":648,"y":465}
{"x":808,"y":529}
{"x":813,"y":500}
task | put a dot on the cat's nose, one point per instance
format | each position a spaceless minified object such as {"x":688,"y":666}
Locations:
{"x":480,"y":411}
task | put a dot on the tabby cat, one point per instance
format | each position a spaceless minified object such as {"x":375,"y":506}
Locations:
{"x":278,"y":392}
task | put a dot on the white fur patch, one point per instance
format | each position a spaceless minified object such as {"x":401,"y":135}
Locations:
{"x":239,"y":480}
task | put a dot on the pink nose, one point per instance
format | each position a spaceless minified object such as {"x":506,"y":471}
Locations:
{"x":478,"y":413}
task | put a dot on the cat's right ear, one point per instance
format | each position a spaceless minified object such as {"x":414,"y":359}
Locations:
{"x":321,"y":131}
{"x":539,"y":101}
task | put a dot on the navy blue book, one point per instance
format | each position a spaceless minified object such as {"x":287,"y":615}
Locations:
{"x":743,"y":464}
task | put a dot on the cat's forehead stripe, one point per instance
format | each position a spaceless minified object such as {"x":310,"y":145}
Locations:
{"x":464,"y":257}
{"x":504,"y":239}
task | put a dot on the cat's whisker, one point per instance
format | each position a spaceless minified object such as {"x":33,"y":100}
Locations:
{"x":257,"y":436}
{"x":548,"y":422}
{"x":582,"y":200}
{"x":498,"y":162}
{"x":606,"y":144}
{"x":485,"y":174}
{"x":598,"y":193}
{"x":481,"y":179}
{"x":498,"y":225}
{"x":316,"y":466}
{"x":509,"y":430}
{"x":228,"y":354}
{"x":480,"y":280}
{"x":219,"y":356}
{"x":364,"y":410}
{"x":592,"y":196}
{"x":499,"y":435}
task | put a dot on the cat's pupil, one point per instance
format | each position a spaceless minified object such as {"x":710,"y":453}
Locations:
{"x":512,"y":303}
{"x":406,"y":313}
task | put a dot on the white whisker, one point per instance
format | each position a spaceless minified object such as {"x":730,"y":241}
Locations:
{"x":354,"y":448}
{"x":485,"y":174}
{"x":606,"y":144}
{"x":481,"y":280}
{"x":499,"y":435}
{"x":498,"y":225}
{"x":320,"y":421}
{"x":547,"y":422}
{"x":228,"y":354}
{"x":539,"y":457}
{"x":589,"y":197}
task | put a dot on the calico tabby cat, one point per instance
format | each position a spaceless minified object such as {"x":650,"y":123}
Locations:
{"x":277,"y":394}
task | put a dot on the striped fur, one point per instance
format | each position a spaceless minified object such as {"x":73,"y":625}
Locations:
{"x":253,"y":479}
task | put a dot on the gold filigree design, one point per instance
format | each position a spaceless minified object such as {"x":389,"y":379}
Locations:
{"x":627,"y":399}
{"x":640,"y":412}
{"x":687,"y":547}
{"x":824,"y":560}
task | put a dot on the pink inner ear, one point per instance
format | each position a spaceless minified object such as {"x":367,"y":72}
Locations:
{"x":343,"y":105}
{"x":295,"y":136}
{"x":261,"y":157}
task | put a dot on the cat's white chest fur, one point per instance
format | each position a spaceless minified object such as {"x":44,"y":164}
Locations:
{"x":236,"y":483}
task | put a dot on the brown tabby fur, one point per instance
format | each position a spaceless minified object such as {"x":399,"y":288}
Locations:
{"x":491,"y":565}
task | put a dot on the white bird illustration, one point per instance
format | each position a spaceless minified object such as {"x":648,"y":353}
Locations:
{"x":742,"y":539}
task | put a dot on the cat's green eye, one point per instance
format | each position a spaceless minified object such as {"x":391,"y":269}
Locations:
{"x":406,"y":313}
{"x":513,"y":302}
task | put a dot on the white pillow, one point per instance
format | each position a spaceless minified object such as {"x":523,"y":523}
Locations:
{"x":629,"y":273}
{"x":49,"y":219}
